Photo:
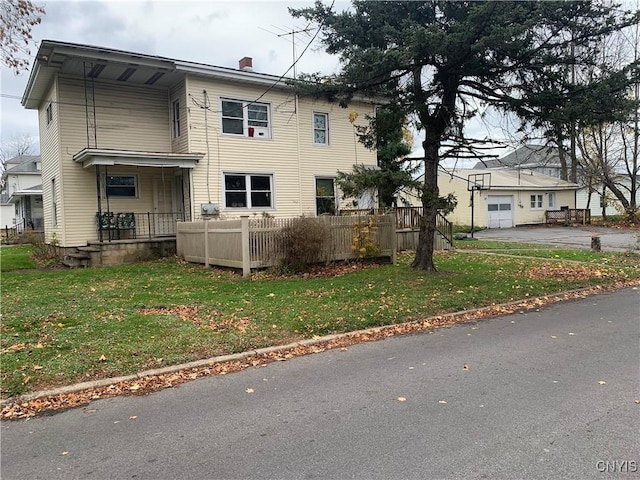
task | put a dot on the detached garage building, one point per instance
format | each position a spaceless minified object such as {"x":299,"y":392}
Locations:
{"x":503,"y":198}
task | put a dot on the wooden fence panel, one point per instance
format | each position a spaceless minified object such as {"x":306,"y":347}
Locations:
{"x":224,"y":243}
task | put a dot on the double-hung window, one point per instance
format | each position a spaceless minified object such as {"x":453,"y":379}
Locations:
{"x":325,"y":196}
{"x":175,"y":111}
{"x":122,"y":186}
{"x":249,"y":119}
{"x":248,"y":190}
{"x":536,"y":202}
{"x":320,"y":128}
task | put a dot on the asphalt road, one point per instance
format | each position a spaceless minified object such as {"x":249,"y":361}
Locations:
{"x":546,"y":394}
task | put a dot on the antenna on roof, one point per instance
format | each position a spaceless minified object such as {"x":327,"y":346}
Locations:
{"x":293,"y":31}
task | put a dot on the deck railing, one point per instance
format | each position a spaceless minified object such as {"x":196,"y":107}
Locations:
{"x":253,"y":243}
{"x":410,"y":218}
{"x":568,"y":215}
{"x":132,"y":225}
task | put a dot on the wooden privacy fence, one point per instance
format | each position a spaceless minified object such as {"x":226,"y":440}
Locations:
{"x":251,"y":242}
{"x":568,"y":215}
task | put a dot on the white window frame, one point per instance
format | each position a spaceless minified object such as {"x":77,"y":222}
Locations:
{"x":536,"y":201}
{"x":54,"y":202}
{"x":325,"y":130}
{"x":552,"y":200}
{"x":135,"y":185}
{"x":175,"y":115}
{"x":49,"y":113}
{"x":249,"y":126}
{"x":248,"y":190}
{"x":335,"y":194}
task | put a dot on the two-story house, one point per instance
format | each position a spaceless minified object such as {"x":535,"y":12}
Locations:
{"x":21,"y":194}
{"x":167,"y":140}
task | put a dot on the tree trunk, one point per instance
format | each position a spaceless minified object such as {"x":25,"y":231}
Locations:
{"x":430,"y":194}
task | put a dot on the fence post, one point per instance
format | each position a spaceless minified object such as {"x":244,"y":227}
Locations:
{"x":246,"y":252}
{"x":394,"y":239}
{"x":206,"y":242}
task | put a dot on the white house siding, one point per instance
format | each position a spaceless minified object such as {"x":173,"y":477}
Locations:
{"x":127,"y":118}
{"x":594,"y":205}
{"x":51,"y":166}
{"x":289,"y":155}
{"x":7,"y":215}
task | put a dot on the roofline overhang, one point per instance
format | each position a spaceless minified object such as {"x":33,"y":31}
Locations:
{"x":49,"y":47}
{"x":91,"y":157}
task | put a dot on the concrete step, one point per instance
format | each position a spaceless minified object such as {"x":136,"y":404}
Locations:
{"x":89,"y":249}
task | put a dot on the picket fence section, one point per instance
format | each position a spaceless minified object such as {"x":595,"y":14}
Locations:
{"x":252,"y":242}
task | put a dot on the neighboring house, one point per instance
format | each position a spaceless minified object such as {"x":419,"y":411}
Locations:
{"x":595,"y":199}
{"x":502,"y":198}
{"x":7,"y":211}
{"x":21,"y":196}
{"x":536,"y":158}
{"x":545,"y":159}
{"x":173,"y":140}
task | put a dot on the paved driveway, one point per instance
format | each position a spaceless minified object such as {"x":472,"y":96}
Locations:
{"x":577,"y":237}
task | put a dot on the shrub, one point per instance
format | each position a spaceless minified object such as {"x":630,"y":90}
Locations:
{"x":302,"y":243}
{"x":363,"y":239}
{"x":45,"y":254}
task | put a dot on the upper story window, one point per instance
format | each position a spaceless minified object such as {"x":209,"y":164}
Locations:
{"x":248,"y":191}
{"x":536,"y":202}
{"x":320,"y":128}
{"x":122,"y":186}
{"x":249,"y":119}
{"x":49,"y":113}
{"x":175,"y":113}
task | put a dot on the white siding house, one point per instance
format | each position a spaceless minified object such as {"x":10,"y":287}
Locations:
{"x":21,"y":195}
{"x":170,"y":140}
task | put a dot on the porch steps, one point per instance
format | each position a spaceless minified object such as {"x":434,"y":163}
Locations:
{"x":80,"y":258}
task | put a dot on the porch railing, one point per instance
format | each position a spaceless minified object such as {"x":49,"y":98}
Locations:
{"x":568,"y":215}
{"x":136,"y":225}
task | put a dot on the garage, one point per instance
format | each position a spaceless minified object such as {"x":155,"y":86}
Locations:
{"x":500,"y":211}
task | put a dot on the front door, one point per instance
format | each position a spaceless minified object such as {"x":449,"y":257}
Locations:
{"x":163,"y":205}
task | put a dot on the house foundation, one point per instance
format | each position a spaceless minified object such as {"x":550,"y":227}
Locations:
{"x":117,"y":252}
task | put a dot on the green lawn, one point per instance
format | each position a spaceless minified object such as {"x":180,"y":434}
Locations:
{"x":63,"y":326}
{"x":16,"y":258}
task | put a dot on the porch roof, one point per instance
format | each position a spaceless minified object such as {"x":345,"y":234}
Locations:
{"x":25,"y":192}
{"x":90,"y":157}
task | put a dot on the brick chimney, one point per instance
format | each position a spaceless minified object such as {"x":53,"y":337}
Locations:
{"x":246,"y":64}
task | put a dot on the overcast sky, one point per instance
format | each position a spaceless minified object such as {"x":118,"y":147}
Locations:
{"x":213,"y":32}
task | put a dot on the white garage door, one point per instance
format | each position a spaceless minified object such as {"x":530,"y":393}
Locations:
{"x":500,"y":211}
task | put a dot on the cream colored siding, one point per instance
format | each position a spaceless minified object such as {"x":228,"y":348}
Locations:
{"x":181,"y":143}
{"x":127,"y":118}
{"x":521,"y":208}
{"x":293,"y":161}
{"x":51,"y":167}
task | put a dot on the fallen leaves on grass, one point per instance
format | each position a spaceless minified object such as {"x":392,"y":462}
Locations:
{"x":202,"y":319}
{"x":566,"y":272}
{"x":148,"y":384}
